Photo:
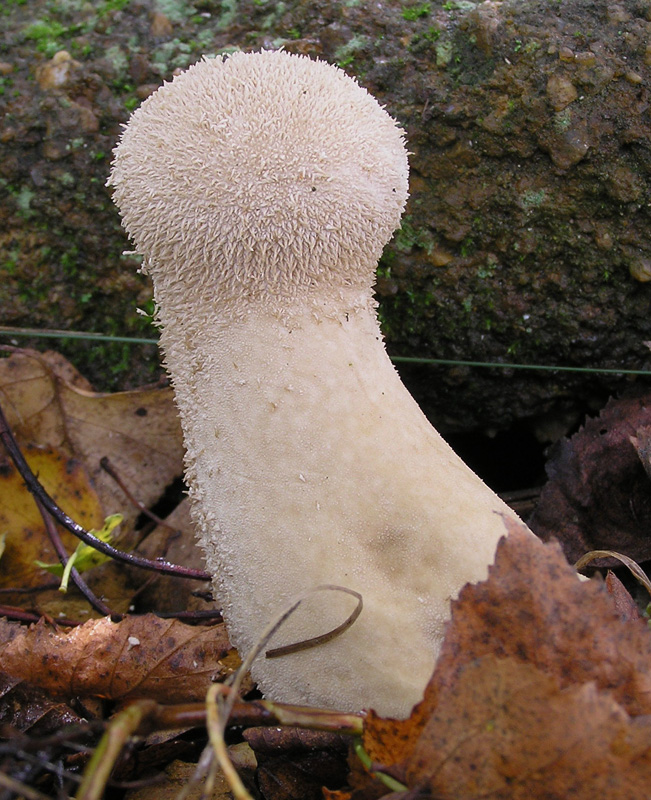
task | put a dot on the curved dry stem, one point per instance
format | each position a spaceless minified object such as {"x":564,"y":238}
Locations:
{"x":315,"y":641}
{"x":216,"y":725}
{"x":636,"y":570}
{"x":274,"y":626}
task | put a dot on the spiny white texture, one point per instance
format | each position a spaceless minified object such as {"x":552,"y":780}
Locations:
{"x":271,"y":172}
{"x":261,"y":190}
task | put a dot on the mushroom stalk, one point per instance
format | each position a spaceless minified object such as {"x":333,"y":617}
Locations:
{"x":261,"y":189}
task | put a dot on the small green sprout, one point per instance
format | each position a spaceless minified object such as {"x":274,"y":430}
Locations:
{"x":85,"y":557}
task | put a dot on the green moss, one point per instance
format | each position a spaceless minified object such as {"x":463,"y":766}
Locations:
{"x":66,"y":6}
{"x":409,"y":237}
{"x":562,"y":120}
{"x":46,"y":35}
{"x":117,"y":58}
{"x":532,"y":199}
{"x":66,"y":179}
{"x":416,"y":12}
{"x":468,"y":247}
{"x":175,"y":10}
{"x":204,"y":39}
{"x":444,"y":53}
{"x":432,"y":34}
{"x":51,"y":34}
{"x":345,"y":54}
{"x":424,"y":39}
{"x":402,"y":315}
{"x":229,"y":12}
{"x":271,"y":19}
{"x":172,"y":55}
{"x":23,"y":197}
{"x":10,"y":263}
{"x":460,"y":5}
{"x":111,"y":5}
{"x":487,"y":271}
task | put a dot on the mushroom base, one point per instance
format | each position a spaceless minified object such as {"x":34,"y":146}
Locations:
{"x":308,"y":464}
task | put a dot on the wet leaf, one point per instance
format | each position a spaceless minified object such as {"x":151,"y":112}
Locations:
{"x":175,"y":541}
{"x":598,"y":496}
{"x":624,"y":603}
{"x":300,"y":776}
{"x":296,"y":764}
{"x":509,"y":732}
{"x":143,"y":656}
{"x":29,"y":709}
{"x":26,"y":542}
{"x":64,"y":429}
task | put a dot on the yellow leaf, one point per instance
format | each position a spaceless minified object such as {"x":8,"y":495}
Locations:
{"x":47,"y":403}
{"x":66,"y":480}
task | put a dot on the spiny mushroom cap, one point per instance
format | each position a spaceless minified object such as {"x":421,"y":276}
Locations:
{"x":260,"y":175}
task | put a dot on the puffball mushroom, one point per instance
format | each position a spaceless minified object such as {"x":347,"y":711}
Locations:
{"x":261,"y":189}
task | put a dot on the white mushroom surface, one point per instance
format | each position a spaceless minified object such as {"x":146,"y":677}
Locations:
{"x":261,"y":189}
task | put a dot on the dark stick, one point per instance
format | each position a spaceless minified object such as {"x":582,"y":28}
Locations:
{"x":33,"y":485}
{"x":79,"y":582}
{"x":20,"y":615}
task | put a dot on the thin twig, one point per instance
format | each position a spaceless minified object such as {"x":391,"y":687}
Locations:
{"x":635,"y":569}
{"x":63,"y":556}
{"x":20,"y":615}
{"x":106,"y":465}
{"x":192,"y":616}
{"x":145,"y":716}
{"x":45,"y":587}
{"x":53,"y":333}
{"x":33,"y":485}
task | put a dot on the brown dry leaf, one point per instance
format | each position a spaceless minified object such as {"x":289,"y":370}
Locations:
{"x":138,"y":431}
{"x":145,"y":656}
{"x":295,"y":763}
{"x":509,"y":732}
{"x":68,"y":429}
{"x":300,"y":776}
{"x":598,"y":496}
{"x":624,"y":603}
{"x":532,"y":611}
{"x":534,"y":608}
